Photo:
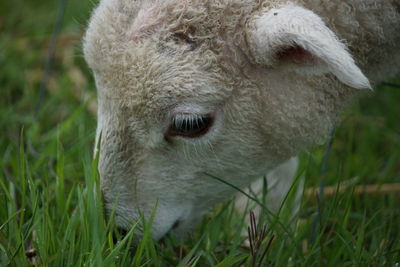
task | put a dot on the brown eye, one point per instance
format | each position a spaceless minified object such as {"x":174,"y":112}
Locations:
{"x":190,"y":125}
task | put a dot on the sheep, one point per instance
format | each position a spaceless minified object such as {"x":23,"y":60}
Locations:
{"x":233,"y":89}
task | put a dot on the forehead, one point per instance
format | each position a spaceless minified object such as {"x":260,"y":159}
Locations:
{"x":203,"y":18}
{"x":152,"y":80}
{"x":136,"y":61}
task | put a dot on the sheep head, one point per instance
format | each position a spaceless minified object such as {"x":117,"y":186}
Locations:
{"x":189,"y":89}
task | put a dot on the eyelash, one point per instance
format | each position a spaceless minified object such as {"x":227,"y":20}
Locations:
{"x":190,"y":125}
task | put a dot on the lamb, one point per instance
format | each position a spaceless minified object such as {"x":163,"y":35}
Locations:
{"x":229,"y":88}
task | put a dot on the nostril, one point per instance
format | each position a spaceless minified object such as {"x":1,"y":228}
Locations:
{"x":176,"y":224}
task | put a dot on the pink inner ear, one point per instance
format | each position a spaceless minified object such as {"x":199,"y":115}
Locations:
{"x":295,"y":55}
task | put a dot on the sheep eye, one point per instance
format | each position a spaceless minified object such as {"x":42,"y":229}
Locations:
{"x":190,"y":125}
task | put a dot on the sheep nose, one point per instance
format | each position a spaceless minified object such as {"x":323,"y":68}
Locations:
{"x":170,"y":216}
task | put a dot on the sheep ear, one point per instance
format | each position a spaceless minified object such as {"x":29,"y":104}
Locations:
{"x":296,"y":39}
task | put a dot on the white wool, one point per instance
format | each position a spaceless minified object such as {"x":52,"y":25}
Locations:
{"x":275,"y":74}
{"x":292,"y":25}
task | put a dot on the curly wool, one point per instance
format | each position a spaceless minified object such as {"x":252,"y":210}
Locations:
{"x":370,"y":29}
{"x":365,"y":25}
{"x":150,"y":57}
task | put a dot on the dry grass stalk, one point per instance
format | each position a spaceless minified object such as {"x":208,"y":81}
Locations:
{"x":256,"y":240}
{"x":371,"y":189}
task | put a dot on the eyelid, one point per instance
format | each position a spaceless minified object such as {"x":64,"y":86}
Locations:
{"x":184,"y":124}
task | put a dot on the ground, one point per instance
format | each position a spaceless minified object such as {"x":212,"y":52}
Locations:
{"x":51,"y":209}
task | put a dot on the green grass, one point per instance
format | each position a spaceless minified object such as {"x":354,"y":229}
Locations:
{"x":51,"y":211}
